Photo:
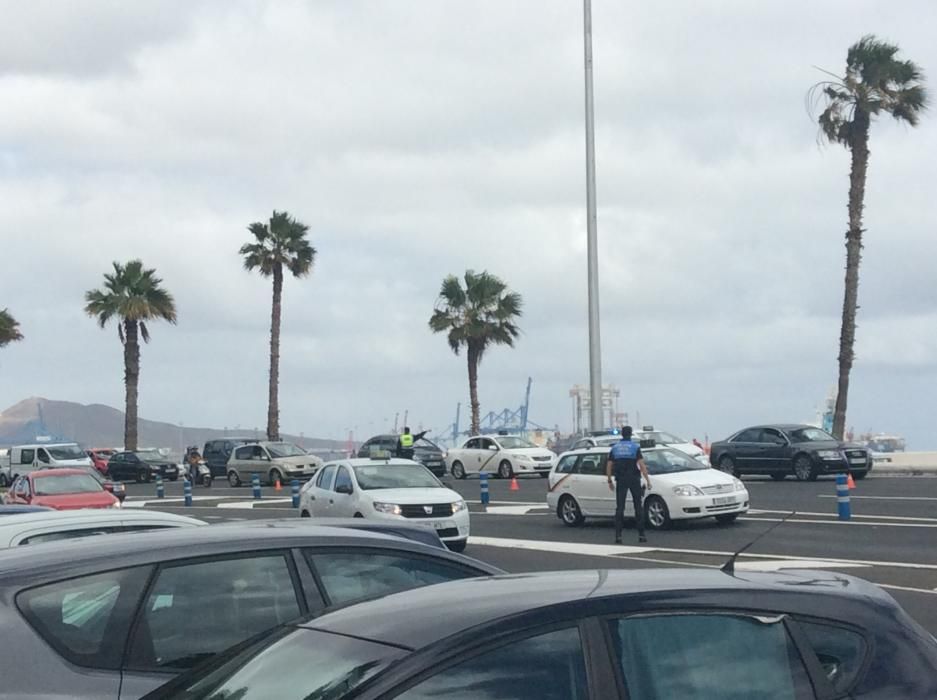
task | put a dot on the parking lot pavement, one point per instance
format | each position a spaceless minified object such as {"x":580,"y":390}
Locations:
{"x":891,"y":540}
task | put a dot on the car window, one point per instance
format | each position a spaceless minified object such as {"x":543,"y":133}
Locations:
{"x":592,"y":465}
{"x":342,"y":478}
{"x":86,"y":619}
{"x":195,"y":610}
{"x":750,"y":435}
{"x":324,"y":480}
{"x":349,"y":576}
{"x":559,"y":672}
{"x":21,"y":488}
{"x":840,"y":652}
{"x":87,"y":532}
{"x":566,"y":464}
{"x":773,"y":436}
{"x":703,"y":656}
{"x":243,"y":453}
{"x":43,"y":456}
{"x":27,"y":456}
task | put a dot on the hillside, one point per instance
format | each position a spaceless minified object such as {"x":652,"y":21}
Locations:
{"x":98,"y":425}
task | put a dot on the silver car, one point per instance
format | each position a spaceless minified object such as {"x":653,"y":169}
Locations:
{"x":271,"y":462}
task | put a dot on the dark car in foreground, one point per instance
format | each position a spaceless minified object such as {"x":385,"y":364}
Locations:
{"x":652,"y":634}
{"x":115,"y":619}
{"x":781,"y":450}
{"x":141,"y":466}
{"x":425,"y":451}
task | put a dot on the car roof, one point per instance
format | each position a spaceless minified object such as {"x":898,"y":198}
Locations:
{"x":65,"y":517}
{"x":780,"y":426}
{"x":476,"y":602}
{"x":57,"y":471}
{"x":85,"y":555}
{"x":368,"y":461}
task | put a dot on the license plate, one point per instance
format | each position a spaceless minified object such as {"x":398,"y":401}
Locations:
{"x":857,"y":460}
{"x":724,"y":501}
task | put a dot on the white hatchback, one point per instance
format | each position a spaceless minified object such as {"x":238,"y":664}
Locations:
{"x":681,"y":489}
{"x":387,"y":489}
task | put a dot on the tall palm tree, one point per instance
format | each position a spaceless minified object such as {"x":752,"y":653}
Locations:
{"x":133,"y":295}
{"x":876,"y":82}
{"x":9,"y":328}
{"x":481,"y":313}
{"x":280,"y":244}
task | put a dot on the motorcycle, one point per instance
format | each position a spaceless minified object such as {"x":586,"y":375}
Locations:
{"x":202,"y":474}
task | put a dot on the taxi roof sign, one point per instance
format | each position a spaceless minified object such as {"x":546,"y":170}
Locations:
{"x":376,"y":452}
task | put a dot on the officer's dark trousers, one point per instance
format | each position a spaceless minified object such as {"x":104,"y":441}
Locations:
{"x":624,"y":484}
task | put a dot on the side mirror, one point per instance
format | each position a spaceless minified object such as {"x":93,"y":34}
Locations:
{"x":343,"y":488}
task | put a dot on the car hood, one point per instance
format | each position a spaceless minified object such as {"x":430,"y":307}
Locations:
{"x":73,"y":501}
{"x":694,"y":477}
{"x":82,"y":462}
{"x":531,"y":452}
{"x":413,"y":496}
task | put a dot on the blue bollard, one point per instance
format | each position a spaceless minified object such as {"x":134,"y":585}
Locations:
{"x":160,"y":491}
{"x":187,"y":491}
{"x":842,"y":496}
{"x":255,"y":483}
{"x":483,"y":483}
{"x":294,"y":492}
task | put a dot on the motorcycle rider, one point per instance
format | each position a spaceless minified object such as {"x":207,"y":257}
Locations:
{"x":193,"y":458}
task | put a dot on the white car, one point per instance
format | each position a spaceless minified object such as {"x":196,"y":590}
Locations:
{"x":387,"y":489}
{"x":502,"y":455}
{"x":670,"y":440}
{"x":588,"y":441}
{"x":681,"y":489}
{"x":33,"y":528}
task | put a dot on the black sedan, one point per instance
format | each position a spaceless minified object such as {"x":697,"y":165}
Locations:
{"x":141,"y":466}
{"x":653,"y":634}
{"x":780,"y":450}
{"x":90,"y":619}
{"x":426,"y":452}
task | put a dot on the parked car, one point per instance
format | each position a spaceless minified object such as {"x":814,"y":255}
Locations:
{"x":681,"y":489}
{"x":217,"y":452}
{"x":99,"y":457}
{"x":26,"y":458}
{"x":33,"y":528}
{"x":114,"y":487}
{"x":501,"y":455}
{"x":60,"y":489}
{"x":425,"y":451}
{"x":780,"y":450}
{"x":398,"y":490}
{"x":115,"y":618}
{"x":272,"y":462}
{"x":141,"y":466}
{"x":661,"y":437}
{"x":651,"y":634}
{"x":588,"y":441}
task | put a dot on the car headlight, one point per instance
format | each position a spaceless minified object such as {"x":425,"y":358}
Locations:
{"x":389,"y":508}
{"x":739,"y":486}
{"x":687,"y":490}
{"x":458,"y":506}
{"x":829,"y":454}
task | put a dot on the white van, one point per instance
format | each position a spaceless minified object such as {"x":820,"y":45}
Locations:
{"x":26,"y":458}
{"x":5,"y":479}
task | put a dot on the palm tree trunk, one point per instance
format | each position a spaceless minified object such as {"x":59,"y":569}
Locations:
{"x":847,"y":336}
{"x":131,"y":383}
{"x":273,"y":402}
{"x":472,"y":356}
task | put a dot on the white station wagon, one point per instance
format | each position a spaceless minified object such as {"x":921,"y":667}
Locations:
{"x":681,"y":489}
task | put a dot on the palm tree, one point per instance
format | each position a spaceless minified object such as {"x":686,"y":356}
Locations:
{"x":480,"y":314}
{"x":281,"y":244}
{"x":876,"y":82}
{"x":9,"y":328}
{"x":133,"y":295}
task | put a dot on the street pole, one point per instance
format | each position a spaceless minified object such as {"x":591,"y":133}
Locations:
{"x":595,"y":345}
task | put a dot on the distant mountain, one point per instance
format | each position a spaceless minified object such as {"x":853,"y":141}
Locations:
{"x":97,"y":425}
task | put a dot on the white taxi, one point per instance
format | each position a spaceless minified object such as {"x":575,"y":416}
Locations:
{"x":681,"y":489}
{"x":505,"y":456}
{"x":387,"y":489}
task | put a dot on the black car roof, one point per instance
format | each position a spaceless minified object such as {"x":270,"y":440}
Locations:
{"x":416,"y":618}
{"x":780,"y":426}
{"x":53,"y":560}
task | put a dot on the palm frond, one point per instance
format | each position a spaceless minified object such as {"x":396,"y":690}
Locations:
{"x":282,"y":241}
{"x":9,"y":328}
{"x":131,"y":292}
{"x":144,"y":333}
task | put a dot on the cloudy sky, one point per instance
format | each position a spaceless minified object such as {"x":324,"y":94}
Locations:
{"x":425,"y":137}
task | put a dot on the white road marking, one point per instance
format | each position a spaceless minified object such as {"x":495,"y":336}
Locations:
{"x":128,"y":503}
{"x":510,"y":510}
{"x":755,"y":511}
{"x":905,"y":588}
{"x":597,"y":550}
{"x":885,"y":498}
{"x":841,"y":522}
{"x":248,"y":505}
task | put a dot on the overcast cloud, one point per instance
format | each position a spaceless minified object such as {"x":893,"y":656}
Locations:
{"x":422,"y":138}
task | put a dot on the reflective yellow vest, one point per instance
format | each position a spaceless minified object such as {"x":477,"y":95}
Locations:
{"x":406,"y":441}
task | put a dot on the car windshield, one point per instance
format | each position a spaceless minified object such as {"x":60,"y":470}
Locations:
{"x":810,"y":435}
{"x":660,"y":437}
{"x":510,"y":442}
{"x":148,"y":455}
{"x":395,"y":476}
{"x":670,"y":462}
{"x":424,"y":445}
{"x":284,"y":449}
{"x":58,"y":484}
{"x":62,"y":452}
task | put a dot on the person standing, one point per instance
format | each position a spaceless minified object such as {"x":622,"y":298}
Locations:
{"x":405,"y":443}
{"x":626,"y":464}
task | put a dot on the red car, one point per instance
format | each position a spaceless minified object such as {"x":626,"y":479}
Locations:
{"x":99,"y":457}
{"x":61,"y":489}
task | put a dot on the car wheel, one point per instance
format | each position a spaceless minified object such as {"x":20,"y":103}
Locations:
{"x":804,"y":469}
{"x":727,"y":518}
{"x":358,"y":515}
{"x":859,"y":476}
{"x":656,"y":513}
{"x":457,"y":546}
{"x":234,"y":479}
{"x":458,"y":471}
{"x":143,"y":476}
{"x":275,"y":476}
{"x":778,"y":476}
{"x":569,"y":512}
{"x":727,"y":465}
{"x":505,"y":470}
{"x":305,"y":514}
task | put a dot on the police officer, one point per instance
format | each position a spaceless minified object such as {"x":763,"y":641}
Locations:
{"x":405,"y":443}
{"x":626,"y":463}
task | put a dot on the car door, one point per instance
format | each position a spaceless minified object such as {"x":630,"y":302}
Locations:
{"x":777,"y":451}
{"x":321,"y":491}
{"x":487,"y":456}
{"x":196,"y":608}
{"x":745,"y":449}
{"x":595,"y":497}
{"x":342,"y":497}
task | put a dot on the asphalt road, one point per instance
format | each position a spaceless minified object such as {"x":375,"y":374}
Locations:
{"x":891,"y":539}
